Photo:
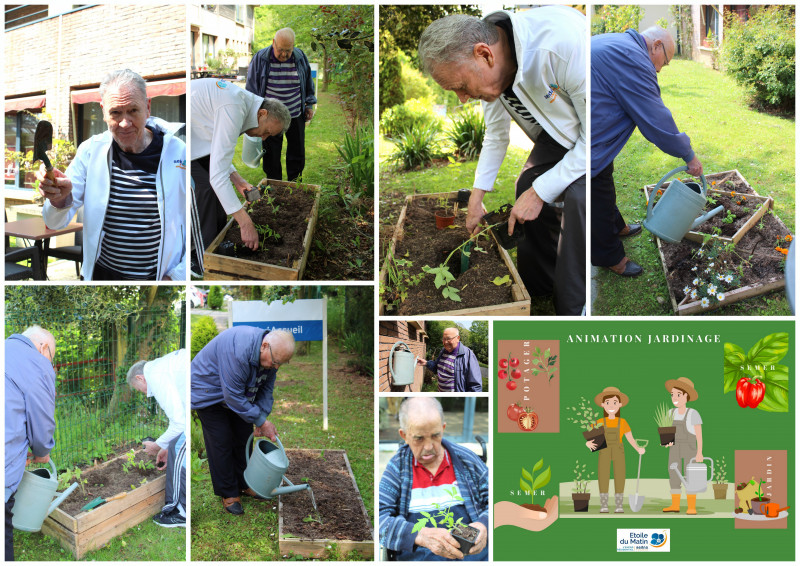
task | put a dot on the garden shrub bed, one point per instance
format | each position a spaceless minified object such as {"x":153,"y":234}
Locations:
{"x":418,"y":241}
{"x":285,"y":217}
{"x":342,"y":518}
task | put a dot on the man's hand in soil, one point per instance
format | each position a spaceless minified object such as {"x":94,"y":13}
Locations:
{"x":247,"y":228}
{"x":151,"y":447}
{"x":240,"y":183}
{"x":527,"y":207}
{"x":440,"y":542}
{"x":36,"y":459}
{"x":267,"y":429}
{"x":480,"y":542}
{"x":161,"y":458}
{"x":508,"y":513}
{"x":695,"y":167}
{"x":475,"y":210}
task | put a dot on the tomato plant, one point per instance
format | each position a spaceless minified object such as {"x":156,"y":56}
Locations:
{"x":502,"y":374}
{"x":511,"y":385}
{"x":514,"y":411}
{"x":527,"y":420}
{"x":749,"y":393}
{"x":516,"y":374}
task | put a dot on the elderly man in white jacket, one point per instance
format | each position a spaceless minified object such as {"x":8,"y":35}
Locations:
{"x":165,"y":379}
{"x":131,"y":182}
{"x":529,"y":67}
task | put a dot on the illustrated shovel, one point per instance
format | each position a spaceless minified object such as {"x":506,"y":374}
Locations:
{"x":636,"y":501}
{"x":42,"y":142}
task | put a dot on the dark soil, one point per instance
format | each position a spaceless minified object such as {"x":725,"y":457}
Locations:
{"x":533,"y":507}
{"x":288,"y":216}
{"x":337,"y":500}
{"x":424,"y":245}
{"x":741,"y":212}
{"x":107,"y":480}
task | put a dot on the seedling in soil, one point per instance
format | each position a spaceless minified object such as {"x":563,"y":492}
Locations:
{"x":266,"y":233}
{"x":443,"y":514}
{"x":529,"y":485}
{"x":129,"y":462}
{"x":313,"y":518}
{"x":759,"y":493}
{"x":400,"y":280}
{"x":730,"y":218}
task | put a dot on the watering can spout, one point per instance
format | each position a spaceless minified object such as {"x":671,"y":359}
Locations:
{"x":289,"y":489}
{"x":61,"y":497}
{"x":707,"y":216}
{"x":674,"y":468}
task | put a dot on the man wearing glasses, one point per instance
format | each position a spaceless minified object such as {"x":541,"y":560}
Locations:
{"x":30,"y":410}
{"x":626,"y":95}
{"x":233,"y":377}
{"x":456,"y":368}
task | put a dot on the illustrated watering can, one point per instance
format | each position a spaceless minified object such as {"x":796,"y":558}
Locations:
{"x":34,"y":501}
{"x":252,"y":151}
{"x":697,"y":475}
{"x":676,"y":212}
{"x":265,"y":469}
{"x":402,"y":364}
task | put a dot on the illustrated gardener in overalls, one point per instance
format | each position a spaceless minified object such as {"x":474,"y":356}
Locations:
{"x":612,"y":400}
{"x":688,"y":440}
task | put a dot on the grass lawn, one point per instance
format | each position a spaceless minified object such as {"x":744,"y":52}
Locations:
{"x":297,"y":414}
{"x":144,"y":542}
{"x":726,"y":134}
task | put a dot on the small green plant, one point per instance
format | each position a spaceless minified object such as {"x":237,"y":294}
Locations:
{"x":711,"y":200}
{"x":357,"y":153}
{"x":313,"y":518}
{"x":720,"y":471}
{"x":663,"y":415}
{"x":442,"y":273}
{"x":584,"y":414}
{"x":399,"y":280}
{"x":145,"y":465}
{"x":759,"y":493}
{"x":544,"y":362}
{"x":528,"y":484}
{"x":730,"y":218}
{"x":443,"y":518}
{"x":129,"y":462}
{"x":582,"y":478}
{"x":267,"y":233}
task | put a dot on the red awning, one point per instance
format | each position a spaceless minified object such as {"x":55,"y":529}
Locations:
{"x":174,"y":87}
{"x":25,"y":103}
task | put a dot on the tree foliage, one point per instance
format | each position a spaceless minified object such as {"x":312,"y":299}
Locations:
{"x":406,"y":23}
{"x":215,"y":297}
{"x":616,"y":19}
{"x":479,"y":340}
{"x":392,"y":91}
{"x":204,"y":329}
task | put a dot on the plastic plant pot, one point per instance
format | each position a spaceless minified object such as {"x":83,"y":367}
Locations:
{"x":463,"y":196}
{"x":500,"y":217}
{"x":444,"y":218}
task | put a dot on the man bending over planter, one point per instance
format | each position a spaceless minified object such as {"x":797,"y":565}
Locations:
{"x":232,"y":381}
{"x":456,"y":367}
{"x":427,"y":472}
{"x":165,"y":379}
{"x":30,"y":410}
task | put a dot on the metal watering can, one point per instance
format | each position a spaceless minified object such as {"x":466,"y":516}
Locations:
{"x":677,"y":208}
{"x":252,"y":151}
{"x":697,"y":475}
{"x":266,"y":467}
{"x":402,"y":364}
{"x":34,"y":501}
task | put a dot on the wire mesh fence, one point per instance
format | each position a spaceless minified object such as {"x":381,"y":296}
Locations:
{"x":97,"y":413}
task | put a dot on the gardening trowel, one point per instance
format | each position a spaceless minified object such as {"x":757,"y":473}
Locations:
{"x":42,"y":142}
{"x":97,"y":501}
{"x":256,"y":192}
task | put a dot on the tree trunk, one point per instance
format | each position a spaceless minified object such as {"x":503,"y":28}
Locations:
{"x":326,"y":78}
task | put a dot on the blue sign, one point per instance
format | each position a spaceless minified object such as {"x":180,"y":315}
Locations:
{"x":303,"y":330}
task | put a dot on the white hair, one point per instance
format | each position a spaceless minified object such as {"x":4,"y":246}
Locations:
{"x":37,"y":334}
{"x":281,"y":339}
{"x":277,"y":111}
{"x":452,"y":39}
{"x":123,"y":78}
{"x":287,"y":33}
{"x":430,"y":403}
{"x":136,"y":369}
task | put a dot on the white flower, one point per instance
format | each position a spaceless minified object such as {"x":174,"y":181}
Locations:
{"x":694,"y":268}
{"x":707,"y":270}
{"x":704,"y":302}
{"x":728,"y":278}
{"x":693,"y":294}
{"x":720,"y":277}
{"x":720,"y":296}
{"x":686,"y":290}
{"x":700,"y":251}
{"x":712,"y":290}
{"x":695,"y":281}
{"x":710,"y":265}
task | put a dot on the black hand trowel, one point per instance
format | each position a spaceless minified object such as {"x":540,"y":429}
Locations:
{"x":256,"y":192}
{"x":42,"y":142}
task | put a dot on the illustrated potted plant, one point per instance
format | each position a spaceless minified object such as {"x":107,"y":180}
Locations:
{"x":663,"y":418}
{"x":529,"y":484}
{"x":757,"y":502}
{"x":720,"y":485}
{"x":443,"y":518}
{"x":586,"y":415}
{"x":580,"y":493}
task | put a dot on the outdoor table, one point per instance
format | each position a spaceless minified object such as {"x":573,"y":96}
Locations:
{"x":36,"y":230}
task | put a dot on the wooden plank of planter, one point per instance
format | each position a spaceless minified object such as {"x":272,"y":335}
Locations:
{"x":318,"y":548}
{"x":232,"y":268}
{"x":521,"y":304}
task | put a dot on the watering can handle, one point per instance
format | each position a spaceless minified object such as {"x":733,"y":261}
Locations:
{"x":53,"y":467}
{"x":252,"y":439}
{"x":391,"y":356}
{"x":712,"y":465}
{"x":651,"y":200}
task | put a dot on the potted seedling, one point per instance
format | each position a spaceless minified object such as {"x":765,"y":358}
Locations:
{"x":580,"y":493}
{"x":663,"y":418}
{"x":443,"y":519}
{"x":756,"y":504}
{"x":720,"y":485}
{"x":529,"y":485}
{"x":586,"y":415}
{"x":445,"y":216}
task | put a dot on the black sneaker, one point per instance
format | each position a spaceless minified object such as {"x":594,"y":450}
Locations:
{"x":169,"y":521}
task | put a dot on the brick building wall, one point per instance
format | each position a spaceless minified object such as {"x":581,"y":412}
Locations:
{"x":413,"y":334}
{"x":78,"y":49}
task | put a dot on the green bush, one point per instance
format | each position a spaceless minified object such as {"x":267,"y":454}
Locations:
{"x":466,"y":132}
{"x":357,"y":152}
{"x":415,"y":84}
{"x":204,"y":329}
{"x":759,"y":54}
{"x":390,"y":72}
{"x":416,"y":146}
{"x":402,"y":117}
{"x":215,"y":297}
{"x":616,"y":19}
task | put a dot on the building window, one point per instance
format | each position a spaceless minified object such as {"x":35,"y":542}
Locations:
{"x":240,"y":11}
{"x":20,"y":128}
{"x":711,"y":22}
{"x":209,"y":47}
{"x":169,"y":108}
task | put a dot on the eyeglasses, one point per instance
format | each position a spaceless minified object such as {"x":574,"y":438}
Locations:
{"x":666,"y":59}
{"x":449,"y":339}
{"x":275,"y":364}
{"x":52,"y":355}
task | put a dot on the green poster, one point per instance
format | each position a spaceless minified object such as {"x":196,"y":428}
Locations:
{"x":672,"y":438}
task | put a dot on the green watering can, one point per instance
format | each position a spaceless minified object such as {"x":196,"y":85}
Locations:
{"x":678,"y":208}
{"x":402,"y":364}
{"x":34,"y":501}
{"x":265,"y":469}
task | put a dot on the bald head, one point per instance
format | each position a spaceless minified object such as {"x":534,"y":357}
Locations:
{"x":660,"y":46}
{"x":43,"y":341}
{"x":283,"y":44}
{"x":450,"y":339}
{"x":281,"y":344}
{"x":419,"y":409}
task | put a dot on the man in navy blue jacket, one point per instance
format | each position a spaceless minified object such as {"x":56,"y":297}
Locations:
{"x":30,"y":410}
{"x":233,"y":377}
{"x":456,"y":367}
{"x":626,"y":95}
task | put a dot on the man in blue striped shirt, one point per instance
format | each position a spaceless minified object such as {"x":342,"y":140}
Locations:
{"x":281,"y":71}
{"x":456,"y":368}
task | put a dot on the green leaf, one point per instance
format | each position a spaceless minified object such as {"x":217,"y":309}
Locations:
{"x":451,"y":293}
{"x":547,"y":353}
{"x":536,"y":351}
{"x":420,"y":524}
{"x":542,"y":479}
{"x":776,"y":390}
{"x":538,"y":465}
{"x":501,"y":280}
{"x":730,"y":378}
{"x":525,"y":486}
{"x":527,"y":475}
{"x":770,"y":349}
{"x":734,"y":355}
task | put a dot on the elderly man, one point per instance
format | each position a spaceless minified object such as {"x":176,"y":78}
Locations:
{"x":30,"y":410}
{"x":626,"y":95}
{"x":131,"y":183}
{"x":221,"y":112}
{"x":529,"y":67}
{"x":456,"y":368}
{"x":430,"y":473}
{"x":165,"y":379}
{"x":232,"y":381}
{"x":282,"y":71}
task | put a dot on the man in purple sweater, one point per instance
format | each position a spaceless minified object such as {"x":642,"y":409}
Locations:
{"x":626,"y":95}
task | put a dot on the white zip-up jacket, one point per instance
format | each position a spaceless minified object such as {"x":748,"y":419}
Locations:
{"x":166,"y":379}
{"x":90,"y":173}
{"x":551,"y":83}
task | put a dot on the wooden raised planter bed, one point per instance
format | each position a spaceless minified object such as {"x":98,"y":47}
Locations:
{"x":324,"y":483}
{"x":520,"y":305}
{"x":218,"y":266}
{"x":92,"y":529}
